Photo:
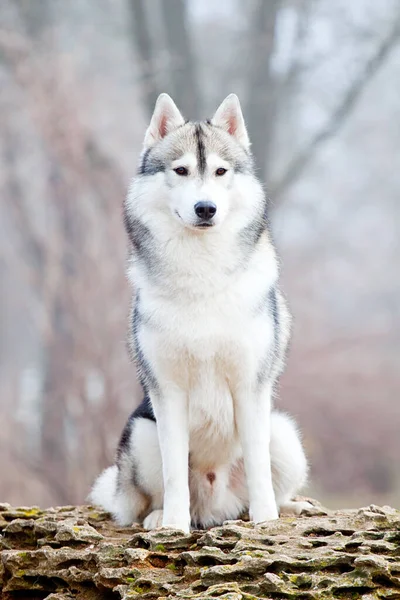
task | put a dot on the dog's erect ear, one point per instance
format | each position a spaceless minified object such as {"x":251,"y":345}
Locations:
{"x":229,"y":116}
{"x":166,"y":117}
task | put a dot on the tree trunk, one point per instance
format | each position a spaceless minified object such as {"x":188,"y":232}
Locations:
{"x":144,"y":49}
{"x":183,"y":80}
{"x":261,"y":86}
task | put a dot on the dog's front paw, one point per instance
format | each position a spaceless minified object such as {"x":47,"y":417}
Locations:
{"x":154,"y":519}
{"x":177,"y":517}
{"x":295,"y":507}
{"x":260,"y":514}
{"x":179,"y":525}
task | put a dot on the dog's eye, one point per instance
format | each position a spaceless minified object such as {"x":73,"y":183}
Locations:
{"x":181,"y":171}
{"x":221,"y":171}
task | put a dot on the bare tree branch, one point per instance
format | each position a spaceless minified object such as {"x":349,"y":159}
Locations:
{"x":339,"y":115}
{"x":144,"y":49}
{"x":261,"y":84}
{"x":183,"y":80}
{"x":66,"y":253}
{"x":304,"y":12}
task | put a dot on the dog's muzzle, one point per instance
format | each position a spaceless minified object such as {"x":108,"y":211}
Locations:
{"x":205,"y":211}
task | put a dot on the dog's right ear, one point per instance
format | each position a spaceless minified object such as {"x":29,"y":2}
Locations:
{"x":166,"y":117}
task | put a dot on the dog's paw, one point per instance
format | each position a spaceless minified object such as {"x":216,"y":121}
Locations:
{"x":295,"y":507}
{"x":153,"y":520}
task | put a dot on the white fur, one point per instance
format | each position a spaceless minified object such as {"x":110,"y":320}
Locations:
{"x":103,"y":491}
{"x":154,"y":520}
{"x":226,"y":498}
{"x":205,"y":338}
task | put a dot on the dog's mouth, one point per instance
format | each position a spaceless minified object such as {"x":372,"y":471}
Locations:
{"x":201,"y":224}
{"x":204,"y":224}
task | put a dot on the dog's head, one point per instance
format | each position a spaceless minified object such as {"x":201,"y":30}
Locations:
{"x":199,"y":173}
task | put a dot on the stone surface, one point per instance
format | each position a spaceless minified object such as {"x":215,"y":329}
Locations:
{"x":77,"y":552}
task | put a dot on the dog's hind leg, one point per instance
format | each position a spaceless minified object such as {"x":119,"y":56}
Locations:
{"x":133,"y":488}
{"x":288,"y":462}
{"x":118,"y":496}
{"x":146,"y":470}
{"x":141,"y":469}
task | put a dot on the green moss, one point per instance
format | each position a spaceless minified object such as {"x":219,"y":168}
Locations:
{"x":289,"y":519}
{"x":300,"y":579}
{"x":113,"y":551}
{"x":172,"y":567}
{"x":255,"y":553}
{"x":20,"y":573}
{"x":160,"y":548}
{"x":32,"y":511}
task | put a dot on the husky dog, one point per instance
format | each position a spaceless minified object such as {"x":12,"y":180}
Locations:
{"x":209,"y":331}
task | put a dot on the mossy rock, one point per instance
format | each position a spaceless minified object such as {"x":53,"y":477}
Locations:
{"x":78,"y":552}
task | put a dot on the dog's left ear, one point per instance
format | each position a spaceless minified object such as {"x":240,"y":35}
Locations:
{"x":166,"y":117}
{"x":229,"y":116}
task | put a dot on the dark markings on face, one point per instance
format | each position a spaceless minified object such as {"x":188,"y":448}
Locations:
{"x":150,"y":165}
{"x":200,"y":147}
{"x":241,"y":160}
{"x":242,"y":165}
{"x":145,"y":374}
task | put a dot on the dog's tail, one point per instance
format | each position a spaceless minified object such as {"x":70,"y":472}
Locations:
{"x":104,"y":488}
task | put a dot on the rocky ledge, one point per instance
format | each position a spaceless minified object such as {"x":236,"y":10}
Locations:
{"x":77,"y":552}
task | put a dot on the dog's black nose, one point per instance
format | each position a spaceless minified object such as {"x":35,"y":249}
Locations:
{"x":205,"y":210}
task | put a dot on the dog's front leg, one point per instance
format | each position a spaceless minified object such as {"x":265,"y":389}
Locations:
{"x":172,"y":425}
{"x":253,"y":412}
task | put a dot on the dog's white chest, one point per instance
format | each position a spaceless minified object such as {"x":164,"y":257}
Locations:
{"x":212,"y":429}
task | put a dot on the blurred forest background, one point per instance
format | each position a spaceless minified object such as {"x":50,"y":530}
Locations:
{"x":320,"y":88}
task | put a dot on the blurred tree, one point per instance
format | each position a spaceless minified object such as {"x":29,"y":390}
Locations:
{"x":144,"y":49}
{"x":179,"y":71}
{"x":36,"y":16}
{"x":64,"y":297}
{"x":341,"y":112}
{"x":261,"y":83}
{"x":182,"y":66}
{"x":82,"y":189}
